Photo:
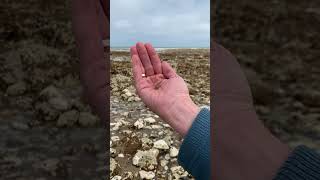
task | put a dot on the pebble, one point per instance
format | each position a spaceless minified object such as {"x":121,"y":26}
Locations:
{"x":113,"y":152}
{"x":156,"y":127}
{"x":17,"y":89}
{"x":130,"y":99}
{"x":50,"y":166}
{"x":150,"y":120}
{"x":128,"y":175}
{"x":146,"y":174}
{"x":113,"y":165}
{"x":167,"y":157}
{"x":177,"y":172}
{"x":146,"y":142}
{"x":116,"y":178}
{"x":68,"y":118}
{"x":19,"y":126}
{"x":125,"y":114}
{"x":173,"y":160}
{"x":147,"y":127}
{"x":115,"y":138}
{"x":127,"y":93}
{"x":127,"y":132}
{"x":163,"y":162}
{"x":117,"y":125}
{"x":139,"y":124}
{"x":174,"y":152}
{"x":160,"y":144}
{"x":87,"y":119}
{"x":146,"y":159}
{"x":121,"y":155}
{"x":59,"y":103}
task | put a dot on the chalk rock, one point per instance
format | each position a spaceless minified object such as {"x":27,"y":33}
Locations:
{"x":160,"y":144}
{"x":127,"y":93}
{"x":154,"y":126}
{"x":163,"y":162}
{"x":19,"y":126}
{"x":68,"y":118}
{"x":87,"y":119}
{"x":146,"y":159}
{"x":59,"y":103}
{"x":146,"y":174}
{"x":121,"y":155}
{"x":128,"y":176}
{"x":55,"y":98}
{"x":116,"y":178}
{"x":178,"y":172}
{"x":174,"y":152}
{"x":113,"y":152}
{"x":139,"y":124}
{"x":150,"y":120}
{"x":115,"y":138}
{"x":113,"y":165}
{"x":17,"y":89}
{"x":146,"y":142}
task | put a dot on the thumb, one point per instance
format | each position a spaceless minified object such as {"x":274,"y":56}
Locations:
{"x":167,"y":70}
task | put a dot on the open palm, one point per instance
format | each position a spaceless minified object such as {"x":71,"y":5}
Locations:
{"x":157,"y":84}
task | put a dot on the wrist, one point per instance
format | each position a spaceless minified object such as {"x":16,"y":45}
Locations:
{"x":244,"y":144}
{"x":182,"y":114}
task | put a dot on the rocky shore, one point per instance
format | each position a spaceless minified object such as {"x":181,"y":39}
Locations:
{"x":47,"y":130}
{"x":276,"y":43}
{"x":142,"y":145}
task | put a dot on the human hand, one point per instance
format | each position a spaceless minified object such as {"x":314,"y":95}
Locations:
{"x":161,"y":89}
{"x":90,"y":27}
{"x":241,"y":141}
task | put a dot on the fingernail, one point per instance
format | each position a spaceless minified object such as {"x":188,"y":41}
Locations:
{"x":139,"y":43}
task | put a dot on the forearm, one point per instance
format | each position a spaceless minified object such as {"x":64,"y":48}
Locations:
{"x":93,"y":70}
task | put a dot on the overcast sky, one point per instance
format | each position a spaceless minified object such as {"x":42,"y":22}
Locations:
{"x":164,"y":23}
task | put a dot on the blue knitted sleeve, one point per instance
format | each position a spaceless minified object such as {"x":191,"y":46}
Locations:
{"x":302,"y":164}
{"x":194,"y":153}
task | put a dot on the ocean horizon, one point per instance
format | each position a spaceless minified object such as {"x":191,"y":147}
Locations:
{"x":157,"y":48}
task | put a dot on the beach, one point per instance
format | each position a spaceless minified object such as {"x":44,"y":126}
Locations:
{"x":142,"y":145}
{"x":48,"y":131}
{"x":276,"y":44}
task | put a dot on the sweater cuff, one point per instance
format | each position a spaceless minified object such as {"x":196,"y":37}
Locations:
{"x":303,"y":163}
{"x":194,"y":153}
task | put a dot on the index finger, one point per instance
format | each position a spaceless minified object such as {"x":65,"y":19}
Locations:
{"x":154,"y":58}
{"x":139,"y":81}
{"x":145,"y":60}
{"x":133,"y":51}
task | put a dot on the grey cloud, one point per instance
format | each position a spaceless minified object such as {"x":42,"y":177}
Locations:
{"x":162,"y":22}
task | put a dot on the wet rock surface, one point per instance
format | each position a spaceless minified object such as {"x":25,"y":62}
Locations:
{"x":276,"y":43}
{"x":143,"y":146}
{"x":47,"y":131}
